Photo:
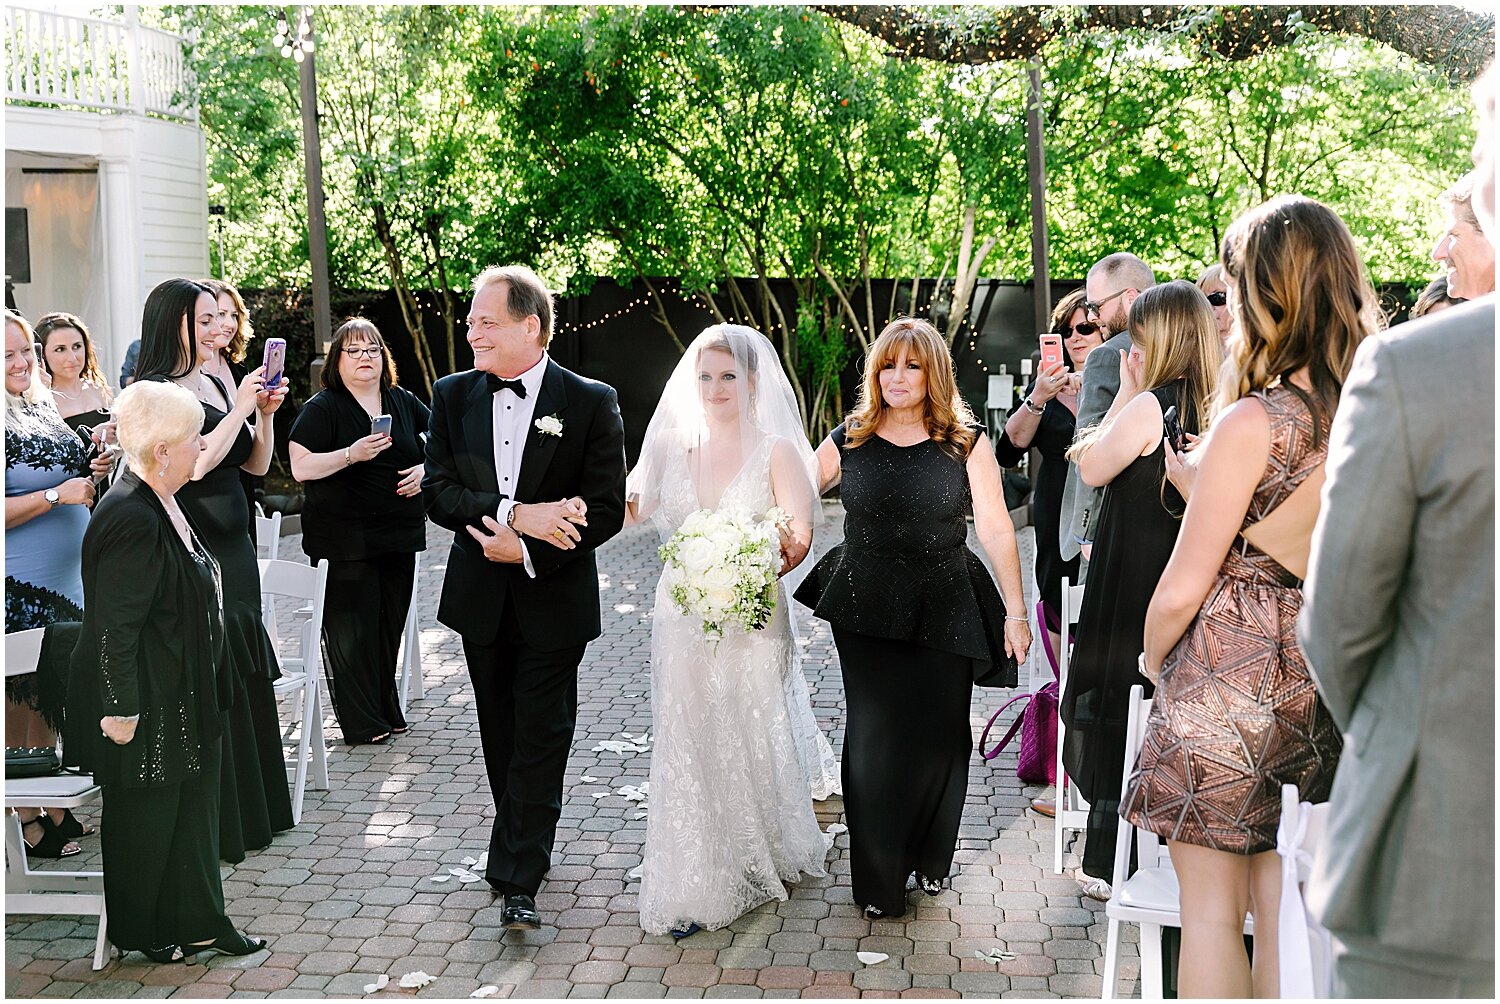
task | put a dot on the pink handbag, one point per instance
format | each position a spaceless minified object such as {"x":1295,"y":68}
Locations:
{"x":1036,"y":761}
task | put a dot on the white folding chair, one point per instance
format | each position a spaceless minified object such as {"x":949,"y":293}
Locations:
{"x":47,"y":891}
{"x":302,"y":671}
{"x":1071,"y":810}
{"x":997,"y":402}
{"x":1149,"y":896}
{"x":267,"y":535}
{"x":412,"y":686}
{"x":1304,"y":946}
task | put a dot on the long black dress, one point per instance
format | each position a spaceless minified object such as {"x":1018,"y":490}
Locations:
{"x":255,"y":802}
{"x":370,"y":535}
{"x":917,"y":620}
{"x":1137,"y":529}
{"x":1054,"y":434}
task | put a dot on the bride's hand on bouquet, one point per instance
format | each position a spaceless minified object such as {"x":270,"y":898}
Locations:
{"x":1017,"y":639}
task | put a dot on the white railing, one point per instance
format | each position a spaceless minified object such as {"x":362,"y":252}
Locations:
{"x":90,"y":62}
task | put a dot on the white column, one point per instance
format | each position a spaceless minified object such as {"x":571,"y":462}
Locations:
{"x":123,"y":235}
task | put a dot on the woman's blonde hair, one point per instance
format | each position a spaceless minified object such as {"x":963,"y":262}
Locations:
{"x":949,"y":420}
{"x":1302,"y":299}
{"x":16,"y":405}
{"x":239,"y":342}
{"x":1174,"y":327}
{"x":149,"y":412}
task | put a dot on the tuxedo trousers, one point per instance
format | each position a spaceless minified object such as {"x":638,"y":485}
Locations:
{"x":527,"y":701}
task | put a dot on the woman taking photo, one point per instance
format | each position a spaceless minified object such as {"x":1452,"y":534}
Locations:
{"x":148,"y":670}
{"x":227,"y":365}
{"x":1044,"y":420}
{"x":79,"y":389}
{"x":364,"y":514}
{"x":179,"y":334}
{"x":915,"y":615}
{"x":1173,"y":361}
{"x":1233,"y":589}
{"x":48,"y":492}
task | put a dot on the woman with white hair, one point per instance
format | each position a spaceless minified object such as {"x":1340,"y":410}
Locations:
{"x":47,"y":497}
{"x":149,"y":670}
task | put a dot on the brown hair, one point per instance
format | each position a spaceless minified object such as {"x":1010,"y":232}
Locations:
{"x":1066,"y":308}
{"x":239,"y":342}
{"x":1434,"y":296}
{"x":1302,"y":300}
{"x":58,"y":321}
{"x":364,"y":330}
{"x":525,"y":294}
{"x":948,"y":417}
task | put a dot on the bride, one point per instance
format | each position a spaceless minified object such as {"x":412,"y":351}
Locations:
{"x":738,"y":753}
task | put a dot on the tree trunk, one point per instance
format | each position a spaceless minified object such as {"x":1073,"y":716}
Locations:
{"x":1458,"y":41}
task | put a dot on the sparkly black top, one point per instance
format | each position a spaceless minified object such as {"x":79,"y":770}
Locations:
{"x":904,"y":570}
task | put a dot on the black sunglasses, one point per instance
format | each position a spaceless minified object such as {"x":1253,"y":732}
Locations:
{"x":1218,"y":299}
{"x":1085,"y":329}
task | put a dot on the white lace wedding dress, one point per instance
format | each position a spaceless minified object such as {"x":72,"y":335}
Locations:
{"x":731,"y":818}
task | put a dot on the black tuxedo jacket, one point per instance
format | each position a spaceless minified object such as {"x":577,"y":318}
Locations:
{"x":560,"y":607}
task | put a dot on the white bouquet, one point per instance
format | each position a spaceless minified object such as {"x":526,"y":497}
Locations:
{"x":721,"y":567}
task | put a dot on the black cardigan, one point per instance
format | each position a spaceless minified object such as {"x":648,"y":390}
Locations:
{"x":152,"y":644}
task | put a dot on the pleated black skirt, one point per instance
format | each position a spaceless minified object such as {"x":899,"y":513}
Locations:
{"x":907,"y":744}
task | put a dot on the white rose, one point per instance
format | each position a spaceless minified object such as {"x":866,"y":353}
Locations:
{"x":721,"y":597}
{"x":696,"y":554}
{"x":550,"y":425}
{"x":693,"y":524}
{"x":720,"y":575}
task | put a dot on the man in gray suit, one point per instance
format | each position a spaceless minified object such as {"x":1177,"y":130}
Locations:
{"x":1111,"y":287}
{"x":1398,"y":625}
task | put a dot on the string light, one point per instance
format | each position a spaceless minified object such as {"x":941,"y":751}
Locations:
{"x":298,"y":47}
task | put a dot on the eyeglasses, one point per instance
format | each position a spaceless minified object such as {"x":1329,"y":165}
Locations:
{"x":1218,"y":299}
{"x":363,"y":351}
{"x":1084,"y":330}
{"x":1090,"y":307}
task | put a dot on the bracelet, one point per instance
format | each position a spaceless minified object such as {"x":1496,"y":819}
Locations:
{"x":347,"y":459}
{"x":1023,"y":620}
{"x":1033,"y":407}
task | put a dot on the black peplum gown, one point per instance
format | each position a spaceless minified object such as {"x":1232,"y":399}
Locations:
{"x":917,"y":620}
{"x":1137,"y":529}
{"x":255,"y":801}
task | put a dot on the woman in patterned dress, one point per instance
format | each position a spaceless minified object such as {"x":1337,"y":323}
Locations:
{"x":1236,"y":714}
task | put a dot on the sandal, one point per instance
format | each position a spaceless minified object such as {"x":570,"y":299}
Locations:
{"x":70,"y":827}
{"x":52,"y":844}
{"x":229,"y":944}
{"x":685,"y":932}
{"x":169,"y":954}
{"x":929,"y":886}
{"x":379,"y":740}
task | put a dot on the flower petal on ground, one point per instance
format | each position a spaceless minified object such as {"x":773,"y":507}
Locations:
{"x":416,"y":980}
{"x":871,"y":958}
{"x":378,"y":985}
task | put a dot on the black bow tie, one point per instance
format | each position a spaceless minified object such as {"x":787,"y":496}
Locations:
{"x":494,"y":383}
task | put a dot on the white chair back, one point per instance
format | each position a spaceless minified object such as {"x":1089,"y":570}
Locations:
{"x":1304,"y":946}
{"x":23,"y":650}
{"x":997,"y":402}
{"x":302,"y":671}
{"x":267,"y":535}
{"x":1071,"y":811}
{"x":412,"y":687}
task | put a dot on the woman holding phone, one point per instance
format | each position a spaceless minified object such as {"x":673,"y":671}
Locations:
{"x":1173,"y":364}
{"x":179,"y":335}
{"x":227,"y":364}
{"x":357,"y":446}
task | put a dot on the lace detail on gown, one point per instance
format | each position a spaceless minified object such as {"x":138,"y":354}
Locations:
{"x":731,"y":817}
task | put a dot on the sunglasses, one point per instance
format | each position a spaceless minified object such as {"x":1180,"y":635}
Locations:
{"x":1218,"y":299}
{"x":1085,"y":329}
{"x":1090,"y":307}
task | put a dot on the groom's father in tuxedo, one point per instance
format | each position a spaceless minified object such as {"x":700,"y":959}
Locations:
{"x":526,"y":465}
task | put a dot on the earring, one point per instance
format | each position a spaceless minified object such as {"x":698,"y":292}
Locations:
{"x":163,"y":472}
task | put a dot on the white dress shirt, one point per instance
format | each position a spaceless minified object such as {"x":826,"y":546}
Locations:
{"x":512,"y":417}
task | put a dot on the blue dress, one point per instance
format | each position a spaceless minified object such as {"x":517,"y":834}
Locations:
{"x":44,"y":555}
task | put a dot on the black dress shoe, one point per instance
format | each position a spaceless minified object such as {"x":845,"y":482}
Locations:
{"x":520,"y":913}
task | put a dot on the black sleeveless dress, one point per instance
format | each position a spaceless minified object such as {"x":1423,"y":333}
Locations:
{"x":1137,"y":529}
{"x":917,"y":620}
{"x":255,"y":802}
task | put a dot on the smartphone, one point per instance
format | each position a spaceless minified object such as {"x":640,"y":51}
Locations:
{"x":380,"y":425}
{"x":275,"y":362}
{"x":1052,"y":351}
{"x":1175,"y":435}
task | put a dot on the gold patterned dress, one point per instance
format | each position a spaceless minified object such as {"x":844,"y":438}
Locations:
{"x":1236,"y":714}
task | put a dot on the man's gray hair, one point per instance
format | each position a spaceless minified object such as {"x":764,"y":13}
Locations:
{"x":1123,"y":270}
{"x":525,"y":294}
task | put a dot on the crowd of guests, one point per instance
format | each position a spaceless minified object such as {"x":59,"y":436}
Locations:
{"x":1217,"y":419}
{"x":1282,"y":542}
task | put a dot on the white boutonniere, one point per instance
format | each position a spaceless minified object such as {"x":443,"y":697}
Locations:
{"x":550,"y":425}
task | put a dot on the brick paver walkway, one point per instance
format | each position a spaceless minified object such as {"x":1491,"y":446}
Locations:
{"x":350,"y":894}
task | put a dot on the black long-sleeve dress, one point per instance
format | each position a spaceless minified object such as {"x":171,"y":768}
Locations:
{"x":255,"y":800}
{"x":370,"y":535}
{"x":152,"y":645}
{"x":1054,"y":434}
{"x":917,"y":620}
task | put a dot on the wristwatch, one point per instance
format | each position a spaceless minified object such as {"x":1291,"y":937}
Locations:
{"x":510,"y":517}
{"x":51,"y":496}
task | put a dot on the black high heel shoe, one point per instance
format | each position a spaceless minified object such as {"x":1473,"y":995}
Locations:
{"x":70,"y":827}
{"x":169,"y":954}
{"x":229,"y":944}
{"x":929,"y":886}
{"x":52,"y":844}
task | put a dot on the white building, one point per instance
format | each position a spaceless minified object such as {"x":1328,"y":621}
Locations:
{"x":104,"y":154}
